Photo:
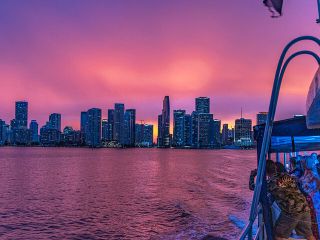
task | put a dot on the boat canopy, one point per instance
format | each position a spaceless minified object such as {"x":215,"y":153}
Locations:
{"x":290,"y":135}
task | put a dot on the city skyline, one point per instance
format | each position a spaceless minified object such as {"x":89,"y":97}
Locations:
{"x":198,"y":129}
{"x":105,"y":114}
{"x":71,"y":57}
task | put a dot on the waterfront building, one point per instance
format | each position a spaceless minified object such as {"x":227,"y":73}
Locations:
{"x":93,"y":137}
{"x":187,"y":130}
{"x":243,"y":132}
{"x":225,"y":134}
{"x":179,"y":128}
{"x":83,"y":127}
{"x":49,"y":136}
{"x":216,"y":131}
{"x":118,"y":124}
{"x":55,"y":121}
{"x":231,"y":135}
{"x":164,"y":139}
{"x":144,"y":135}
{"x":21,"y":114}
{"x":34,"y":130}
{"x":262,"y":118}
{"x":2,"y":129}
{"x":205,"y":136}
{"x":202,"y":104}
{"x":71,"y":137}
{"x":129,"y":127}
{"x":20,"y":133}
{"x":104,"y":129}
{"x":159,"y":139}
{"x":5,"y":133}
{"x":111,"y":123}
{"x":195,"y":129}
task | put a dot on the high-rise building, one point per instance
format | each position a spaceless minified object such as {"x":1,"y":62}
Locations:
{"x":129,"y":127}
{"x":178,"y":128}
{"x":2,"y":129}
{"x":34,"y":129}
{"x":195,"y":129}
{"x":216,"y":131}
{"x":203,"y":105}
{"x":5,"y":133}
{"x":111,"y":123}
{"x":159,"y":139}
{"x":164,"y":124}
{"x":106,"y":134}
{"x":231,"y":136}
{"x":49,"y":136}
{"x":118,"y":124}
{"x":187,"y":130}
{"x":104,"y":129}
{"x":55,"y":121}
{"x":243,"y":132}
{"x":20,"y":133}
{"x":83,"y":127}
{"x":21,"y":114}
{"x":93,"y":138}
{"x":262,"y":117}
{"x":71,"y":137}
{"x":205,"y":139}
{"x":225,"y":133}
{"x":144,"y":135}
{"x":148,"y":135}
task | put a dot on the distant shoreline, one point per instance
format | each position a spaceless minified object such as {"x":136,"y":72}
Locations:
{"x":123,"y":148}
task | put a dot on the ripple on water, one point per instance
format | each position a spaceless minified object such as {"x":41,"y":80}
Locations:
{"x":64,"y":193}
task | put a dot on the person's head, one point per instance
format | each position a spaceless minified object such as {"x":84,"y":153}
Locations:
{"x":293,"y":162}
{"x":314,"y":156}
{"x":310,"y":163}
{"x":271,"y":168}
{"x":280,"y":167}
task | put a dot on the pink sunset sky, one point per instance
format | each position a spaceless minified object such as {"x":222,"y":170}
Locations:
{"x":68,"y":56}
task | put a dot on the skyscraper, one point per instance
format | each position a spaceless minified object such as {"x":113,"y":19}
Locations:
{"x":144,"y":135}
{"x":216,"y":128}
{"x":83,"y":127}
{"x":187,"y":130}
{"x":205,"y":139}
{"x":93,"y":138}
{"x":2,"y":124}
{"x":262,"y":117}
{"x":55,"y":121}
{"x":243,"y":132}
{"x":178,"y":128}
{"x":164,"y":124}
{"x":129,"y":127}
{"x":20,"y":132}
{"x":34,"y":128}
{"x":111,"y":123}
{"x":195,"y":129}
{"x":21,"y":114}
{"x":104,"y":131}
{"x":203,"y":105}
{"x":5,"y":132}
{"x":225,"y":133}
{"x":118,"y":124}
{"x":49,"y":136}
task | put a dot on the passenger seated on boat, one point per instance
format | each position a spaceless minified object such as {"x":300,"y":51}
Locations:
{"x":310,"y":184}
{"x":296,"y":168}
{"x":295,"y":212}
{"x":280,"y":167}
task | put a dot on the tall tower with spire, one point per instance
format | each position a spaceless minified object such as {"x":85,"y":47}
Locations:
{"x":164,"y":124}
